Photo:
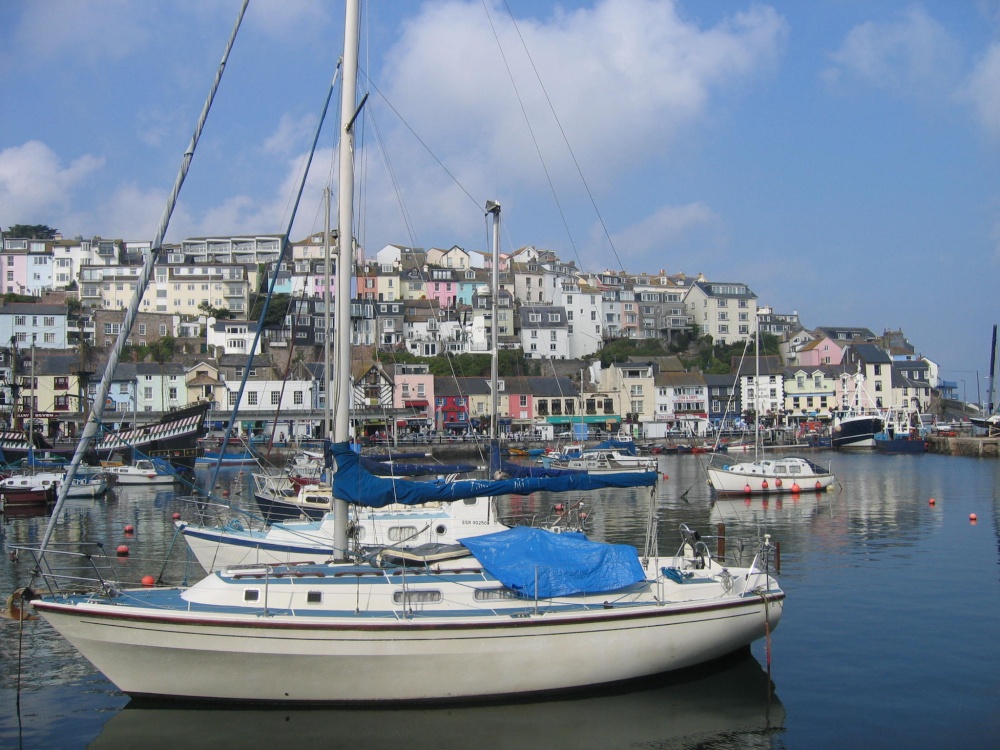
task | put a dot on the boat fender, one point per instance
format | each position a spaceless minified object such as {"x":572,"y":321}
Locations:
{"x":12,"y":608}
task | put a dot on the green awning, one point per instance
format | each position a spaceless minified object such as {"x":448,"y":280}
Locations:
{"x":587,"y":419}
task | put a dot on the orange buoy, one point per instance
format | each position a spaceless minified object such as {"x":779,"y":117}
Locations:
{"x":973,"y":517}
{"x":665,"y":477}
{"x":932,"y":501}
{"x":559,"y":508}
{"x":148,"y":581}
{"x":177,"y":516}
{"x":225,"y":493}
{"x":763,"y":485}
{"x":129,"y":528}
{"x":122,"y":549}
{"x":795,"y":487}
{"x":819,"y":485}
{"x":746,"y":489}
{"x":777,"y":482}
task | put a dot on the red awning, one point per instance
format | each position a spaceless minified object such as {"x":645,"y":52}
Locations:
{"x":416,"y":404}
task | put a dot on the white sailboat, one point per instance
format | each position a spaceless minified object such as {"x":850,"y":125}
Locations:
{"x":520,"y":612}
{"x":785,"y":474}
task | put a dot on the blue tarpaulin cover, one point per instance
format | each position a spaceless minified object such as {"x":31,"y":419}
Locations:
{"x":354,"y":484}
{"x":563,"y":564}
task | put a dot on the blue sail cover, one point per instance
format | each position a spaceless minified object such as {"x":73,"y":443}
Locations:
{"x":562,"y":564}
{"x":354,"y":484}
{"x":383,"y":468}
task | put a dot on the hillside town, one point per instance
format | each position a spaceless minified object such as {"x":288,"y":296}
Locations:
{"x":63,"y":305}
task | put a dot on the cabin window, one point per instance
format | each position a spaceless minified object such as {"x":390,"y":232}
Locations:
{"x":251,"y":595}
{"x":314,"y":597}
{"x":416,"y":597}
{"x":492,"y":595}
{"x":399,"y":533}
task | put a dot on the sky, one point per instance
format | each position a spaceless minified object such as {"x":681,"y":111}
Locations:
{"x":841,"y":157}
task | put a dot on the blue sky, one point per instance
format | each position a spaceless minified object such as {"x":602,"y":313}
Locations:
{"x":839,"y":156}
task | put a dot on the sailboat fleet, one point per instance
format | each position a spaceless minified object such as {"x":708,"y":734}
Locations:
{"x":512,"y":612}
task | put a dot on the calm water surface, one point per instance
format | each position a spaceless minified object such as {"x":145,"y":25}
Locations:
{"x":889,"y":636}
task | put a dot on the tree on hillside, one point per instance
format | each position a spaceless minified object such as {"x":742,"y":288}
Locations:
{"x":31,"y":231}
{"x":276,"y":310}
{"x":620,"y":350}
{"x":219,"y":313}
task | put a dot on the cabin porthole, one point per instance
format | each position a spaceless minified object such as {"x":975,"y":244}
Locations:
{"x":440,"y":529}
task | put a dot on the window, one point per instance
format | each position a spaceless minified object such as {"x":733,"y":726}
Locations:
{"x":407,"y":598}
{"x":275,"y":398}
{"x":252,"y":398}
{"x":297,"y":398}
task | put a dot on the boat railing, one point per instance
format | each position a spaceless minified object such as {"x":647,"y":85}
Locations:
{"x":729,"y":550}
{"x":204,"y":512}
{"x":86,"y":567}
{"x":722,"y":461}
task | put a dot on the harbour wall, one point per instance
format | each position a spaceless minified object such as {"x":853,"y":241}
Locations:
{"x":975,"y":447}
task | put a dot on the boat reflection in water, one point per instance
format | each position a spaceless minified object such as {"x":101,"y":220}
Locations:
{"x":728,"y":703}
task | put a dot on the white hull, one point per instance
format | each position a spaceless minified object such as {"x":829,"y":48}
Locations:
{"x":416,"y":656}
{"x":784,"y":475}
{"x":220,"y":547}
{"x":140,"y":474}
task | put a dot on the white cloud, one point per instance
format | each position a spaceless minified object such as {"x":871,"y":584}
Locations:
{"x":657,"y":236}
{"x":913,"y":55}
{"x":52,"y":31}
{"x":625,"y":78}
{"x":290,"y":135}
{"x":289,"y":19}
{"x":982,"y":90}
{"x":35,"y":186}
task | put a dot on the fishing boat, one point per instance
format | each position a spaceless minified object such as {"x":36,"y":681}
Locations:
{"x":903,"y":433}
{"x":856,"y":426}
{"x":521,"y":612}
{"x":729,"y":475}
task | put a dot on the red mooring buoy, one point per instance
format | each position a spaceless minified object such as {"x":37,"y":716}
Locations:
{"x":148,"y":581}
{"x":122,"y":550}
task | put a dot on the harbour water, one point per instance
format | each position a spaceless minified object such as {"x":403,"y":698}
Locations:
{"x":889,"y":636}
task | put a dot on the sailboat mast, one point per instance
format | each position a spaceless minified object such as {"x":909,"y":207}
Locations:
{"x":327,"y":375}
{"x":492,"y":207}
{"x":993,"y":363}
{"x":345,"y":256}
{"x":756,"y":390}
